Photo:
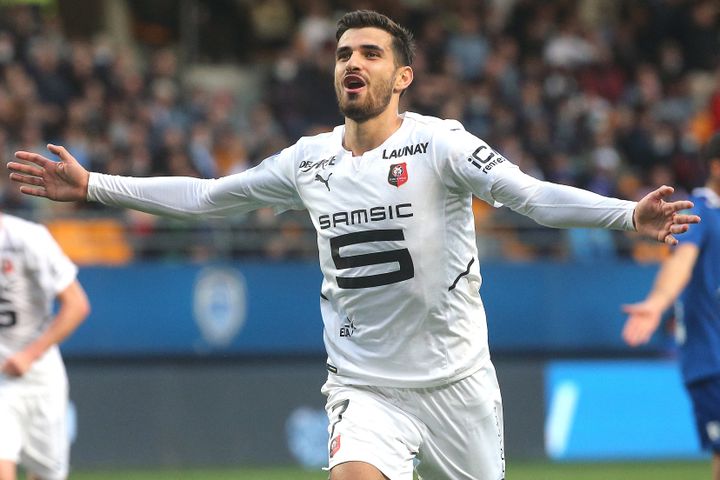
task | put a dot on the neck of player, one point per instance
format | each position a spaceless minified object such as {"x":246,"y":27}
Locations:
{"x":361,"y":137}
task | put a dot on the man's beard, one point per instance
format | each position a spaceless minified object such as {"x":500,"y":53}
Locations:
{"x":375,"y":103}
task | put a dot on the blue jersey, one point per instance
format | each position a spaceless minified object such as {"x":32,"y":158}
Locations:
{"x":698,"y":310}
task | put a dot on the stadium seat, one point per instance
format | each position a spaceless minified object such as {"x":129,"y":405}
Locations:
{"x":92,"y":241}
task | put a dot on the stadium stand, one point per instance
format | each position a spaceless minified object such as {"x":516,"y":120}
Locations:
{"x":611,"y":96}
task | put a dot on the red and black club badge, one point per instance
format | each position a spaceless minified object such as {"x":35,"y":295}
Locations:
{"x":6,"y":266}
{"x":334,"y":446}
{"x":398,"y":174}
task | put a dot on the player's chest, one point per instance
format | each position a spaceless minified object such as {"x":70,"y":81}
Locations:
{"x":387,"y":176}
{"x":13,"y":266}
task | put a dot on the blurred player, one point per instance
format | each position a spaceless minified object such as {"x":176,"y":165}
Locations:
{"x":34,"y":272}
{"x":692,"y":274}
{"x":390,"y":195}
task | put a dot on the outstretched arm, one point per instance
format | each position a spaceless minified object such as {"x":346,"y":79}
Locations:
{"x":64,"y":181}
{"x":269,"y":184}
{"x":562,"y":206}
{"x":644,"y":317}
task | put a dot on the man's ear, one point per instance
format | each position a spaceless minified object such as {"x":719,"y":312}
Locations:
{"x":403,"y":78}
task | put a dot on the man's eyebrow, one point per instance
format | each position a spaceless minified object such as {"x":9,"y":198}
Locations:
{"x":369,"y":46}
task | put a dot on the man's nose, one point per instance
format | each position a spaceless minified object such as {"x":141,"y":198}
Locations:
{"x":352,"y":62}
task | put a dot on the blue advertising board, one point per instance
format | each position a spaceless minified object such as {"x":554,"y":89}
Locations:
{"x":560,"y":307}
{"x":272,"y":308}
{"x":165,"y":309}
{"x":618,"y":410}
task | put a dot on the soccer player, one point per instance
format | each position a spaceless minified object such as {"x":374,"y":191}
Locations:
{"x":409,"y":371}
{"x":34,"y":272}
{"x":692,"y":274}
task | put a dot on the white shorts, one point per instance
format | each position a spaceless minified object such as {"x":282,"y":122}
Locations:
{"x":449,"y":432}
{"x":34,"y":433}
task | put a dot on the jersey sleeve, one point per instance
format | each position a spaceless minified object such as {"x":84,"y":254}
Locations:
{"x":472,"y":165}
{"x":467,"y":163}
{"x":270,"y":184}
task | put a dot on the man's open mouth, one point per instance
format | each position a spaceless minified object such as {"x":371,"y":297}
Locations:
{"x":353,"y":83}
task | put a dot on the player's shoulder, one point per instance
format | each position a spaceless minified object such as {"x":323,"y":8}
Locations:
{"x":434,"y":124}
{"x":20,"y":225}
{"x":25,"y":235}
{"x":705,"y":198}
{"x":320,"y":140}
{"x":315,"y":147}
{"x":446,"y":135}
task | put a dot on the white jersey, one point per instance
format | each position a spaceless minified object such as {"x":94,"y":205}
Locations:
{"x":396,"y":238}
{"x":33,"y":270}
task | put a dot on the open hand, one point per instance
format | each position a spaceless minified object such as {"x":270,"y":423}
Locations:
{"x":643,"y":319}
{"x":658,"y":219}
{"x":65,"y":180}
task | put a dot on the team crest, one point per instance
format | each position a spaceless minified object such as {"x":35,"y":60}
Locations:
{"x":398,"y":174}
{"x":334,"y":446}
{"x":7,"y":266}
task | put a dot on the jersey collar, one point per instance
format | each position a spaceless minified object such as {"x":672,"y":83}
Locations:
{"x":713,"y":199}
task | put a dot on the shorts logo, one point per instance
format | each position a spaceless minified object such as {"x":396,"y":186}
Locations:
{"x":398,"y":174}
{"x":334,"y":446}
{"x":7,"y":266}
{"x":713,"y":431}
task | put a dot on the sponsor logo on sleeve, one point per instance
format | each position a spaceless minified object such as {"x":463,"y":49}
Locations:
{"x":485,"y":158}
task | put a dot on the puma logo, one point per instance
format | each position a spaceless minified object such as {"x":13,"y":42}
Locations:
{"x":326,"y":181}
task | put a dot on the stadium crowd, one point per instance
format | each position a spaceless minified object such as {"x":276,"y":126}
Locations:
{"x":611,"y":95}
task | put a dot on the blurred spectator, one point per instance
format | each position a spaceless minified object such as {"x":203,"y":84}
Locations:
{"x":699,"y":35}
{"x":613,"y":96}
{"x":468,"y":49}
{"x":569,"y":46}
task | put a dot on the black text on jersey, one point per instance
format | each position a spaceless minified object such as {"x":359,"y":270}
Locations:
{"x":307,"y":165}
{"x":365,"y":215}
{"x":406,"y":150}
{"x":485,"y":160}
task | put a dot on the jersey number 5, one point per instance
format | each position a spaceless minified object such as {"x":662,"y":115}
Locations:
{"x":7,"y":318}
{"x":401,"y":256}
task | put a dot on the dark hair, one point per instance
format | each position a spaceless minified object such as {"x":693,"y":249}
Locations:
{"x":402,"y":39}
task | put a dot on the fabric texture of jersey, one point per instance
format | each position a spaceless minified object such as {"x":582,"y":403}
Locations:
{"x":698,"y":311}
{"x":396,"y":238}
{"x":33,"y":270}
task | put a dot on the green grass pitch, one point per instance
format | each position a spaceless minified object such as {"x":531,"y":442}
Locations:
{"x":515,"y":471}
